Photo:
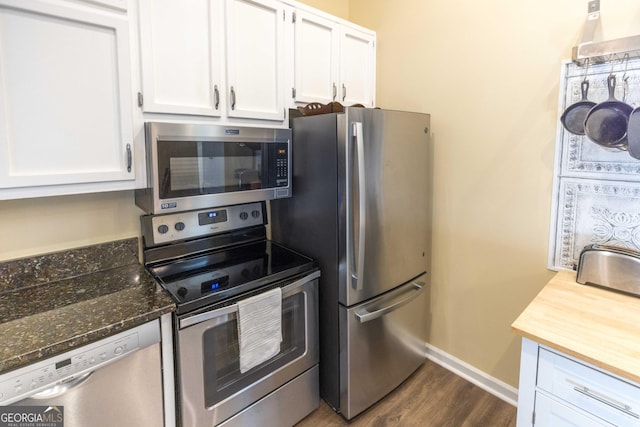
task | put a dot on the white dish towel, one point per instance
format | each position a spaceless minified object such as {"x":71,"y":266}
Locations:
{"x":259,"y":328}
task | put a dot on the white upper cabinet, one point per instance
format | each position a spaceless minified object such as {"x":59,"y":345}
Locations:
{"x":333,"y":60}
{"x":316,"y":56}
{"x":357,"y":67}
{"x":217,"y":58}
{"x":180,"y":48}
{"x":244,"y":60}
{"x":66,"y":117}
{"x":255,"y":59}
{"x":70,"y":92}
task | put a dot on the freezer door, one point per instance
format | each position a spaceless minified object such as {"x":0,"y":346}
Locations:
{"x":382,"y":343}
{"x":388,"y":209}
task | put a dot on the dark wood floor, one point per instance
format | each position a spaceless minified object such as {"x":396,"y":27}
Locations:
{"x":431,"y":397}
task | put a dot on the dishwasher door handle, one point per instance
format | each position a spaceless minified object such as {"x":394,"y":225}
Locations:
{"x":63,"y":387}
{"x":364,"y":315}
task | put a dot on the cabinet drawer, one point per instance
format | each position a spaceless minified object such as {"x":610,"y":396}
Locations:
{"x":550,"y":412}
{"x":603,"y":395}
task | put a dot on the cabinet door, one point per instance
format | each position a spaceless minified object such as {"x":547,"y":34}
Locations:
{"x":316,"y":58}
{"x":65,"y":85}
{"x":255,"y":59}
{"x":181,"y":56}
{"x":357,"y":67}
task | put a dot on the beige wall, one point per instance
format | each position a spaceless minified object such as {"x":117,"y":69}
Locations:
{"x":34,"y":226}
{"x":339,"y":8}
{"x":488,"y":72}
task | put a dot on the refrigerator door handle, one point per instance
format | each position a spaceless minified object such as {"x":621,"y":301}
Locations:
{"x":364,"y":315}
{"x":357,"y":275}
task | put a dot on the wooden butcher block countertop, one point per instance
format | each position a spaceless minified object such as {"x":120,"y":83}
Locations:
{"x":598,"y":326}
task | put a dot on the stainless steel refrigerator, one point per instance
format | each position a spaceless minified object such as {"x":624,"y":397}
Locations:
{"x":361,"y":206}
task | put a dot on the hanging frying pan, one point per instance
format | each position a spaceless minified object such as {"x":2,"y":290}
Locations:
{"x":606,"y":123}
{"x":574,"y":116}
{"x":633,"y":133}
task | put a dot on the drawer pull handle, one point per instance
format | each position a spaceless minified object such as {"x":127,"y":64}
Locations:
{"x":603,"y":399}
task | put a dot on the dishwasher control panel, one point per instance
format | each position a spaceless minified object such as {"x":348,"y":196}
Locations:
{"x":41,"y":376}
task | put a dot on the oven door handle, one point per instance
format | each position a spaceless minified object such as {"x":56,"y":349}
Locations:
{"x":287,"y":291}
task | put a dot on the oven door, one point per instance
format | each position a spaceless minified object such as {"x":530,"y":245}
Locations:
{"x":212,"y":389}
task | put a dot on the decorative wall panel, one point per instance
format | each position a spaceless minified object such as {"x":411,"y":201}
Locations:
{"x":596,"y":194}
{"x":595,"y":211}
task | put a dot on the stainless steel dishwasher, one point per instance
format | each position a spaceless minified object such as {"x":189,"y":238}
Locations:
{"x":116,"y":381}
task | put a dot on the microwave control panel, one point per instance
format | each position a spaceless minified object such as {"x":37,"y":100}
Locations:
{"x":280,"y":171}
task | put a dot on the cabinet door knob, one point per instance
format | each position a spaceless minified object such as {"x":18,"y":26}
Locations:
{"x":233,"y":98}
{"x":344,"y":92}
{"x":129,"y":158}
{"x":335,"y":91}
{"x":216,"y":97}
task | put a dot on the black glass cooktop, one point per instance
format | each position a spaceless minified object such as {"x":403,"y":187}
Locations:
{"x":194,"y":282}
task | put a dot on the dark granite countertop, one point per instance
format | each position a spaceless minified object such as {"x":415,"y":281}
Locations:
{"x":53,"y":303}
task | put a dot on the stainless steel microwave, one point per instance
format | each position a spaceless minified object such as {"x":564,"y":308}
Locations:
{"x":195,"y":166}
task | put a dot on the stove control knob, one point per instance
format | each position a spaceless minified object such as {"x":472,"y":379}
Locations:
{"x":163,"y":229}
{"x":255,"y":213}
{"x":182,"y":291}
{"x":244,"y":215}
{"x":179,"y":226}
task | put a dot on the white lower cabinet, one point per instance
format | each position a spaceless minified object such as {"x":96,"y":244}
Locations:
{"x":552,"y":412}
{"x":66,"y":116}
{"x":559,"y":390}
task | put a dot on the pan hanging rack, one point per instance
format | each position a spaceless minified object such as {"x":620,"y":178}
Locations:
{"x":604,"y":51}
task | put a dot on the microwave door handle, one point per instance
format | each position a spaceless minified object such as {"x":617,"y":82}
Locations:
{"x":357,"y":274}
{"x":364,"y":315}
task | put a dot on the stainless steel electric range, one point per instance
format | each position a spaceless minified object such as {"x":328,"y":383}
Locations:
{"x":210,"y":261}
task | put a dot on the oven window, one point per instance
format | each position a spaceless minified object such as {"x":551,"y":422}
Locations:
{"x":191,"y":168}
{"x":222,"y":376}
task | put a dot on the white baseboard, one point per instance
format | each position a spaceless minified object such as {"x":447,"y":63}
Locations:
{"x":483,"y":380}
